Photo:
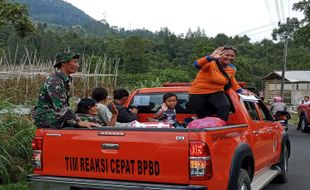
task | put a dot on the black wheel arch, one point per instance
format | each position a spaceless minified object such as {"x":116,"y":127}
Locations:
{"x":243,"y":158}
{"x":286,"y":142}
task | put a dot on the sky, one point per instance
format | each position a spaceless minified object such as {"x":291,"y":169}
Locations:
{"x":254,"y":18}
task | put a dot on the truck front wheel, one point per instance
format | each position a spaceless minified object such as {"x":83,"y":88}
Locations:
{"x":244,"y":182}
{"x":283,"y":164}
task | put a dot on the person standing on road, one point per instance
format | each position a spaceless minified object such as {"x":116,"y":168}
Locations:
{"x":52,"y":109}
{"x":304,"y":101}
{"x":216,"y":75}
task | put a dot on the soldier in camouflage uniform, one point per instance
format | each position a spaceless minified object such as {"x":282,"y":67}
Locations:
{"x":52,"y":109}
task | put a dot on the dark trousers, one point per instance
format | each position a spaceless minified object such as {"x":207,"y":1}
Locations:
{"x":207,"y":104}
{"x":299,"y":123}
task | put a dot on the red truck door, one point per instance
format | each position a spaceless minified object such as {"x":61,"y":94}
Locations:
{"x":273,"y":128}
{"x":129,"y":154}
{"x":261,"y":136}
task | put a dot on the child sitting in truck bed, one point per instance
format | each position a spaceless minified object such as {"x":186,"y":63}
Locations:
{"x":167,"y":111}
{"x":100,"y":95}
{"x":87,"y":111}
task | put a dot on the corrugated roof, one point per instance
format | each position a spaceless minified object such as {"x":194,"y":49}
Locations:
{"x":293,"y":76}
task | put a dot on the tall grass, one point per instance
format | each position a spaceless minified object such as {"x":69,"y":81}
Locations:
{"x":16,"y":133}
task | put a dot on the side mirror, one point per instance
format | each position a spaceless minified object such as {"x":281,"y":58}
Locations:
{"x":284,"y":124}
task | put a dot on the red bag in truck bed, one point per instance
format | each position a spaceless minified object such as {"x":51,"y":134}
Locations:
{"x":207,"y":122}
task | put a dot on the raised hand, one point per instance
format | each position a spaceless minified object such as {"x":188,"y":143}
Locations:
{"x":216,"y":54}
{"x":134,"y":110}
{"x":113,"y":110}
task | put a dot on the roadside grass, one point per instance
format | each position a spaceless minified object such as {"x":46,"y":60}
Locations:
{"x":16,"y":133}
{"x":16,"y":186}
{"x":294,"y":120}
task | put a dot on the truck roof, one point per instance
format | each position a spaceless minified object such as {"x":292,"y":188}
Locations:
{"x":175,"y":87}
{"x":164,"y":89}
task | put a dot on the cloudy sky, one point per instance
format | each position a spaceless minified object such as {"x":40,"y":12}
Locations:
{"x":255,"y":18}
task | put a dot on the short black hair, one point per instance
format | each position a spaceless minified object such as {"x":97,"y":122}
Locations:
{"x":168,"y":95}
{"x":306,"y":97}
{"x":120,"y":93}
{"x":84,"y":105}
{"x":99,"y":94}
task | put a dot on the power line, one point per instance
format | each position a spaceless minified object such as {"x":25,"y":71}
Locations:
{"x":288,"y":8}
{"x":257,"y":28}
{"x":277,"y":8}
{"x":258,"y":32}
{"x":268,"y":10}
{"x":282,"y":9}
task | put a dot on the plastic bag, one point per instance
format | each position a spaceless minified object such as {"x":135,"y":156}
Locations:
{"x":137,"y":124}
{"x":207,"y":122}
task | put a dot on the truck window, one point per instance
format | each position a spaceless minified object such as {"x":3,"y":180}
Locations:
{"x":250,"y":106}
{"x":264,"y":111}
{"x":151,"y":102}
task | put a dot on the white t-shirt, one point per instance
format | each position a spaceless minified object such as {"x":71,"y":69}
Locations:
{"x":304,"y":102}
{"x":105,"y":115}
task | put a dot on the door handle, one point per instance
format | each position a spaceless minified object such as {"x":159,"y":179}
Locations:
{"x":255,"y":132}
{"x":269,"y":130}
{"x":109,"y":146}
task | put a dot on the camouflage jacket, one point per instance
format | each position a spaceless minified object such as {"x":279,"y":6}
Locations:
{"x":90,"y":118}
{"x":54,"y":96}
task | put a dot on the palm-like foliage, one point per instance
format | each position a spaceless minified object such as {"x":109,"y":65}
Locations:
{"x":16,"y":133}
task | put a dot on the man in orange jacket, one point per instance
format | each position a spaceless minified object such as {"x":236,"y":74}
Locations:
{"x":216,"y":74}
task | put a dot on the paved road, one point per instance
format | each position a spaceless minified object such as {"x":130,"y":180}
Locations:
{"x":299,"y":163}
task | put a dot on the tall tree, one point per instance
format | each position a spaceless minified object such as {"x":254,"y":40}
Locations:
{"x":288,"y":29}
{"x":16,"y":14}
{"x":302,"y":36}
{"x":134,"y":59}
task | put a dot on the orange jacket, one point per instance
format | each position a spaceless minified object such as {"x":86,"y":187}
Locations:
{"x":210,"y":79}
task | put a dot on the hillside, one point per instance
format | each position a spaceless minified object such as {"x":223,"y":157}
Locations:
{"x":56,"y":12}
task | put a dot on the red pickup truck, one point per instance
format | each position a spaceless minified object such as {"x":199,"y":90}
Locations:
{"x":248,"y":153}
{"x":304,"y":117}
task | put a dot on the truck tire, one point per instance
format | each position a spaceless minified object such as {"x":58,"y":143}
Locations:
{"x":244,"y":182}
{"x":304,"y":124}
{"x":283,"y":164}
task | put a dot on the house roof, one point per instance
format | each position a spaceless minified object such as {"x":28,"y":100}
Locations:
{"x":291,"y":76}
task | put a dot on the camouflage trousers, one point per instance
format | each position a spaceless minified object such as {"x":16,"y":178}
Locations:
{"x":47,"y":118}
